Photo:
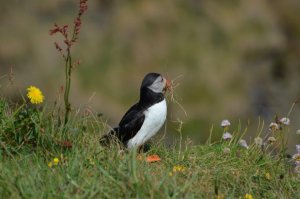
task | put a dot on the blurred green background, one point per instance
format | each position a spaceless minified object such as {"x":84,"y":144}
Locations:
{"x":235,"y":59}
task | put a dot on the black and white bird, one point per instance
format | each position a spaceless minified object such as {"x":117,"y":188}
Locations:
{"x":144,"y":119}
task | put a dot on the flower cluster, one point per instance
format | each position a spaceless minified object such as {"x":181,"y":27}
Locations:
{"x":54,"y":162}
{"x":69,"y":41}
{"x":228,"y":136}
{"x":91,"y":161}
{"x":248,"y":196}
{"x":225,"y":125}
{"x":82,"y":7}
{"x":64,"y":29}
{"x":77,"y":22}
{"x":258,"y":141}
{"x":177,"y":169}
{"x":274,"y":127}
{"x":296,"y":159}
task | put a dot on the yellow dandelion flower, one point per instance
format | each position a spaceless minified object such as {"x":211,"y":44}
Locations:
{"x":35,"y":95}
{"x":248,"y":196}
{"x":55,"y":161}
{"x":91,"y":160}
{"x":178,"y":168}
{"x":268,"y":176}
{"x":220,"y":196}
{"x":50,"y":164}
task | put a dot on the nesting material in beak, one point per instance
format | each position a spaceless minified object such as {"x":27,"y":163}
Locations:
{"x":168,"y":85}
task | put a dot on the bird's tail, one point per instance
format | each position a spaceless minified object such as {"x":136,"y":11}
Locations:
{"x":110,"y":137}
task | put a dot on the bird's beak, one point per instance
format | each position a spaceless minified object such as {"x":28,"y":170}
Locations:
{"x":168,"y":85}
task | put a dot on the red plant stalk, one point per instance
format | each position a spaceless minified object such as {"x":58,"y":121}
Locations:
{"x":66,"y":54}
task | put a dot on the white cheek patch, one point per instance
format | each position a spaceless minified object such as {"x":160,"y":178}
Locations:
{"x":158,"y":85}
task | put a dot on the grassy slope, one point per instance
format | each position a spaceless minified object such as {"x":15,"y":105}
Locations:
{"x":31,"y":138}
{"x":89,"y":171}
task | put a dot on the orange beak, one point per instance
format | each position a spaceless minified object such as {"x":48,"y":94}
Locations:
{"x":168,"y":85}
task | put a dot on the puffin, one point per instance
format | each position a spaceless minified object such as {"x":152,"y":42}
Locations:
{"x":145,"y":118}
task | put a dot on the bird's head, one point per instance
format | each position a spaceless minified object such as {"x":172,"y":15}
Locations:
{"x":156,"y":83}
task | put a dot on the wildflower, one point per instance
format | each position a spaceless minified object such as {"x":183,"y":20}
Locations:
{"x":297,"y":169}
{"x":35,"y":95}
{"x":227,"y":136}
{"x":50,"y":164}
{"x":298,"y":132}
{"x":225,"y":123}
{"x":83,"y":6}
{"x":220,"y":196}
{"x":55,"y":161}
{"x":271,"y":140}
{"x":236,"y":173}
{"x":298,"y":148}
{"x":178,"y":168}
{"x":273,"y":126}
{"x":285,"y":121}
{"x":226,"y":150}
{"x":258,"y":141}
{"x":243,"y":143}
{"x":248,"y":196}
{"x":91,"y":161}
{"x":268,"y":176}
{"x":296,"y":157}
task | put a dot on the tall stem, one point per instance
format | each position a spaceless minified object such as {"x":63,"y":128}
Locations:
{"x":67,"y":89}
{"x":66,"y":54}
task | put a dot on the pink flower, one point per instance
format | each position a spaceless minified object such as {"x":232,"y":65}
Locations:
{"x":298,"y":148}
{"x":227,"y":136}
{"x":243,"y":143}
{"x":285,"y":121}
{"x":274,"y":126}
{"x":225,"y":123}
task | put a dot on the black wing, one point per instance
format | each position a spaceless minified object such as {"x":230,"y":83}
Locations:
{"x":131,"y":123}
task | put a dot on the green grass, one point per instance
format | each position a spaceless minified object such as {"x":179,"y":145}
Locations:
{"x":88,"y":170}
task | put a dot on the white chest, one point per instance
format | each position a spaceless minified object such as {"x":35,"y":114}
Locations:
{"x":155,"y":117}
